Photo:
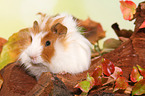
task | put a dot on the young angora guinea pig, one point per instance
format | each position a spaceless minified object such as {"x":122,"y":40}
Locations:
{"x":56,"y":46}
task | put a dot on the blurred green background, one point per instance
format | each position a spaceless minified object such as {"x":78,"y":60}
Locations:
{"x":18,"y":14}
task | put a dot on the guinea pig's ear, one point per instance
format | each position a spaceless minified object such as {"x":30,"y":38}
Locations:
{"x":59,"y":29}
{"x":35,"y":27}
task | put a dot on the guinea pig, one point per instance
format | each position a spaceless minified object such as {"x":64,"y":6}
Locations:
{"x":56,"y":46}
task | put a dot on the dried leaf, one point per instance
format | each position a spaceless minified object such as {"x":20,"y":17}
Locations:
{"x":111,"y":44}
{"x":128,"y":8}
{"x":142,"y":25}
{"x":108,"y":67}
{"x":139,"y":88}
{"x":2,"y":42}
{"x":12,"y":48}
{"x":121,"y":83}
{"x":135,"y":75}
{"x":92,"y":30}
{"x":142,"y":70}
{"x":117,"y":73}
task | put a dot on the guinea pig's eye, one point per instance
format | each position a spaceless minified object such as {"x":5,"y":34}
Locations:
{"x":47,"y":43}
{"x":31,"y":39}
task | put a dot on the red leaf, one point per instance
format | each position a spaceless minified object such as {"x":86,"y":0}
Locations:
{"x":118,"y":72}
{"x":97,"y":74}
{"x":139,"y":88}
{"x":135,"y":75}
{"x":128,"y":8}
{"x":108,"y":67}
{"x":1,"y":81}
{"x":142,"y":25}
{"x":121,"y":83}
{"x":105,"y":80}
{"x":142,"y":70}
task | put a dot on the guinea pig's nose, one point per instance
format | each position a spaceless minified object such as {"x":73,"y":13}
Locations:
{"x":33,"y":57}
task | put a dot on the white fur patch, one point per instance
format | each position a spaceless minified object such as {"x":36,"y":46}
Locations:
{"x":76,"y":58}
{"x":42,"y":24}
{"x":34,"y":50}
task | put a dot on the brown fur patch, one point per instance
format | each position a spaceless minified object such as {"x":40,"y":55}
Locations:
{"x":36,"y":27}
{"x":55,"y":31}
{"x":48,"y":51}
{"x":47,"y":25}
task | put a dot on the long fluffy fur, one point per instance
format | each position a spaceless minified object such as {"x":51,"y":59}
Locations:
{"x":73,"y":59}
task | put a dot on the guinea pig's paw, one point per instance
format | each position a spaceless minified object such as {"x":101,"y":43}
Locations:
{"x":62,"y":73}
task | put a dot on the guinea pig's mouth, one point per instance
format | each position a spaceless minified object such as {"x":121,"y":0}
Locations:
{"x":36,"y":64}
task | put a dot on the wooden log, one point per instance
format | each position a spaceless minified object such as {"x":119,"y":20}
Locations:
{"x":16,"y":81}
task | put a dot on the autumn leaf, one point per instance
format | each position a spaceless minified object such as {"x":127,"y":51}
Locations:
{"x":107,"y":66}
{"x":1,"y":81}
{"x":2,"y":42}
{"x":121,"y":83}
{"x":139,"y":88}
{"x":12,"y":49}
{"x":142,"y":25}
{"x":86,"y":85}
{"x":91,"y":80}
{"x":92,"y":30}
{"x":97,"y":75}
{"x":111,"y":44}
{"x":142,"y":70}
{"x":135,"y":75}
{"x":117,"y":73}
{"x":128,"y":8}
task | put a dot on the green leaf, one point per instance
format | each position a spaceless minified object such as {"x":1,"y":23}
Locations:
{"x":142,"y":70}
{"x":139,"y":88}
{"x":85,"y":86}
{"x":91,"y":80}
{"x":84,"y":94}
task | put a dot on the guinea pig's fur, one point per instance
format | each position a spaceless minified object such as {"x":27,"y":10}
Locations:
{"x":56,"y":46}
